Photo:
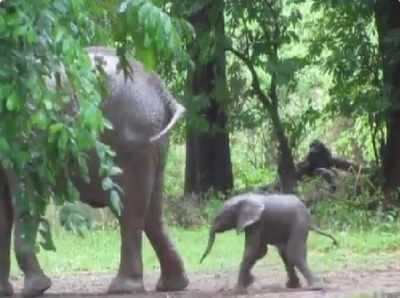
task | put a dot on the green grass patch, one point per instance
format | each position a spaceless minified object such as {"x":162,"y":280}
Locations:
{"x":98,"y":251}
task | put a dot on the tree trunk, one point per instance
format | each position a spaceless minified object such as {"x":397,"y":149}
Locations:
{"x":286,"y":167}
{"x":391,"y":158}
{"x":208,"y":163}
{"x":387,"y":14}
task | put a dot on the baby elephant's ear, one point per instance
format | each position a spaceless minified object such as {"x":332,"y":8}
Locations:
{"x":249,"y":213}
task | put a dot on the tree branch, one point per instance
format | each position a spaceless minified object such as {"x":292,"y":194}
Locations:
{"x":264,"y":98}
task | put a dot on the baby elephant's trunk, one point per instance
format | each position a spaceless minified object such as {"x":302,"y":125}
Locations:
{"x":211,"y":240}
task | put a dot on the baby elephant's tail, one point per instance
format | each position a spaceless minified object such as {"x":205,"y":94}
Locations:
{"x":317,"y":230}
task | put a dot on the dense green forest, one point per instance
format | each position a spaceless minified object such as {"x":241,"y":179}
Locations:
{"x":260,"y":81}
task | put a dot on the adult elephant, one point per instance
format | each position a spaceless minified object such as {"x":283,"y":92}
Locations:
{"x":142,"y":112}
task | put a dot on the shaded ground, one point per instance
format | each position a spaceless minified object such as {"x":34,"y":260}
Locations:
{"x":381,"y":282}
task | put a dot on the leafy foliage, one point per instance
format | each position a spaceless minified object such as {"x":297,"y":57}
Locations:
{"x":268,"y":35}
{"x":260,"y":32}
{"x":39,"y":41}
{"x":347,"y":46}
{"x":154,"y":34}
{"x":50,"y":94}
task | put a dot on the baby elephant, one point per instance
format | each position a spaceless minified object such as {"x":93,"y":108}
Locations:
{"x":277,"y":219}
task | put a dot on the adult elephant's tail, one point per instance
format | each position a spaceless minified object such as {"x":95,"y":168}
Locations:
{"x":177,"y":111}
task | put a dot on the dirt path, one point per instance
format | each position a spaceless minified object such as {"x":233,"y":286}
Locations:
{"x":269,"y":283}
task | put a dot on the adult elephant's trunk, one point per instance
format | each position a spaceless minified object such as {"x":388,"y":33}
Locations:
{"x":177,"y":111}
{"x":211,"y":240}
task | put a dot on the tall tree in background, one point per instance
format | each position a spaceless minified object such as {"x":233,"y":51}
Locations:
{"x":387,"y":14}
{"x":260,"y":31}
{"x":363,"y":59}
{"x":208,"y":163}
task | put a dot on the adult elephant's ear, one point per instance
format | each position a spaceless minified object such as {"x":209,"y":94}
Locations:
{"x":250,"y":212}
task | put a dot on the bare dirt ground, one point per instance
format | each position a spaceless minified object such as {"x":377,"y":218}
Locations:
{"x":378,"y":282}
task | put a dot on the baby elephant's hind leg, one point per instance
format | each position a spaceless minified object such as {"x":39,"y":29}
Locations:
{"x":296,"y":253}
{"x":293,"y":280}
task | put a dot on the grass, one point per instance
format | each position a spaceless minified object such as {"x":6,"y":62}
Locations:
{"x":98,"y":251}
{"x":366,"y":239}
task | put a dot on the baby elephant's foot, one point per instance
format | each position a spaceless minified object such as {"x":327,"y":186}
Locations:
{"x":36,"y":285}
{"x":316,"y":286}
{"x":125,"y":285}
{"x":6,"y":289}
{"x":171,"y":284}
{"x":245,"y":280}
{"x":293,"y":284}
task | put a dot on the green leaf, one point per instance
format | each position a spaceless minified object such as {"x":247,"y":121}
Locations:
{"x":91,"y":116}
{"x":47,"y":242}
{"x":31,"y":36}
{"x":114,"y":171}
{"x":115,"y":203}
{"x":40,"y":120}
{"x":5,"y":89}
{"x":148,"y":57}
{"x":13,"y":102}
{"x":63,"y":141}
{"x":124,"y":6}
{"x":4,"y":146}
{"x":48,"y":104}
{"x":107,"y":124}
{"x":2,"y":25}
{"x":55,"y":128}
{"x":107,"y":184}
{"x":145,"y":11}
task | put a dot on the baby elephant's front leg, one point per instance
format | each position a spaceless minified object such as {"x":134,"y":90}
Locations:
{"x":254,"y":250}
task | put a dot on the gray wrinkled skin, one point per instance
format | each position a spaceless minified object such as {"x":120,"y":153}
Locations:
{"x":142,"y":112}
{"x":276,"y":219}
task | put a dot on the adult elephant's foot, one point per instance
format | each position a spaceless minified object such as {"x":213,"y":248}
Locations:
{"x":36,"y":285}
{"x":172,"y":283}
{"x":246,"y":280}
{"x":6,"y":289}
{"x":293,"y":284}
{"x":124,"y":285}
{"x":240,"y":290}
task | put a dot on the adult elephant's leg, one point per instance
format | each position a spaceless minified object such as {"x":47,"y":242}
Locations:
{"x":137,"y":182}
{"x":35,"y":282}
{"x":173,"y":277}
{"x":6,"y":220}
